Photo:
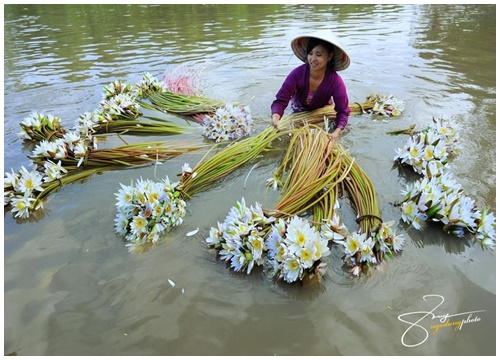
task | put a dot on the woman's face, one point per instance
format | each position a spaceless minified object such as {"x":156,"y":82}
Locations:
{"x":318,"y":57}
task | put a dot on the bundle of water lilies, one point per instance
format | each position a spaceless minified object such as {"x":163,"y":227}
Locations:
{"x":228,"y":123}
{"x":37,"y":127}
{"x":120,"y":107}
{"x":393,"y":107}
{"x":117,"y":113}
{"x":170,"y":102}
{"x":386,"y":105}
{"x":292,"y":248}
{"x":25,"y":191}
{"x":295,"y":248}
{"x":147,"y":209}
{"x":434,"y":143}
{"x":221,"y":121}
{"x":70,"y":159}
{"x":437,"y":197}
{"x":221,"y":161}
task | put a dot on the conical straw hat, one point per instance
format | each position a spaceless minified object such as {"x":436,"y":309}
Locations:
{"x":340,"y":58}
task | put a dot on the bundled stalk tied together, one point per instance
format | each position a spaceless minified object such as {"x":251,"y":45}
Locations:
{"x":168,"y":101}
{"x":314,"y":170}
{"x":228,"y":159}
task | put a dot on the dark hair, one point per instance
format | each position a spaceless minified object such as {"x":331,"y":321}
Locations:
{"x":313,"y":42}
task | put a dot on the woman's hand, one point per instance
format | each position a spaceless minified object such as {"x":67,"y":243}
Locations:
{"x":333,"y":137}
{"x":275,"y":120}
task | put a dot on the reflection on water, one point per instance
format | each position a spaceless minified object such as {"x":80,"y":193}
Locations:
{"x":72,"y":288}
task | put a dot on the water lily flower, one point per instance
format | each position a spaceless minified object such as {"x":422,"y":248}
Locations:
{"x":30,"y":182}
{"x":21,"y":205}
{"x":398,"y":241}
{"x":366,"y":251}
{"x":409,"y":211}
{"x":354,"y":242}
{"x":273,"y":183}
{"x":53,"y":171}
{"x":292,"y":269}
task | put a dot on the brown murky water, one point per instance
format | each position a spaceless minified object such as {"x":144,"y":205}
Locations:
{"x":72,"y":288}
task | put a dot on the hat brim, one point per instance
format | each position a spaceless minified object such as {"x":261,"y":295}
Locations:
{"x":341,"y":60}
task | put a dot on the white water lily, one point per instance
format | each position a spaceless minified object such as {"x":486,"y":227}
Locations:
{"x":21,"y":205}
{"x":334,"y":229}
{"x":53,"y":171}
{"x":366,"y":251}
{"x":186,"y":169}
{"x":30,"y":182}
{"x":398,"y":241}
{"x":409,"y":211}
{"x":71,"y":138}
{"x":273,"y":183}
{"x":434,"y":143}
{"x":228,"y":123}
{"x":146,"y":210}
{"x":292,"y":270}
{"x":239,"y":238}
{"x":11,"y":180}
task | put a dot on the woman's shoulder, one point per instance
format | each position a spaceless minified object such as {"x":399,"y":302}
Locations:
{"x":333,"y":76}
{"x":300,"y":70}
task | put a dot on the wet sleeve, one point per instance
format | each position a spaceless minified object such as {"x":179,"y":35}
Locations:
{"x":341,"y":102}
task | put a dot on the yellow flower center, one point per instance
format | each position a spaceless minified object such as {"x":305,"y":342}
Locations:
{"x":20,"y":205}
{"x":294,"y":265}
{"x":257,"y":244}
{"x":301,"y":239}
{"x":353,"y":245}
{"x":305,"y":255}
{"x":29,"y":184}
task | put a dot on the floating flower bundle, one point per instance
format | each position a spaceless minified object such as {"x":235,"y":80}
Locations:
{"x":228,"y":123}
{"x":296,"y":249}
{"x":318,"y":116}
{"x":437,"y":197}
{"x":38,"y":127}
{"x":73,"y":152}
{"x":386,"y":105}
{"x":68,"y":160}
{"x":436,"y":142}
{"x":168,"y":101}
{"x":364,"y":249}
{"x":248,"y":238}
{"x":25,"y":191}
{"x":148,"y":85}
{"x":239,"y":240}
{"x":147,"y":209}
{"x":120,"y":107}
{"x":95,"y":122}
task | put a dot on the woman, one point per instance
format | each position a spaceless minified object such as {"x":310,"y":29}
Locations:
{"x":316,"y":83}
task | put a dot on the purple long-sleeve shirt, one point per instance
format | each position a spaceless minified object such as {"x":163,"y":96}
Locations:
{"x":296,"y":88}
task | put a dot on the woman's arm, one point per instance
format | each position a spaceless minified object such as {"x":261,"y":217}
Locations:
{"x":286,"y":92}
{"x":341,"y":102}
